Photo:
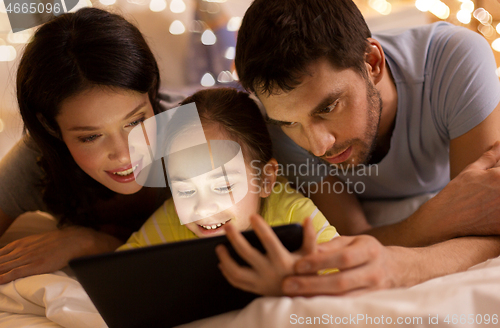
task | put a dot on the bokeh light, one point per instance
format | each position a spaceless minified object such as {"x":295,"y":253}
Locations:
{"x":7,"y":53}
{"x":467,"y":6}
{"x":208,"y":38}
{"x":230,"y":53}
{"x":207,"y":80}
{"x":225,"y":77}
{"x":234,"y":24}
{"x":382,"y":6}
{"x":107,"y":2}
{"x":157,"y":5}
{"x":177,"y":28}
{"x":464,"y":17}
{"x":177,"y":6}
{"x":235,"y":76}
{"x":496,"y":45}
{"x":487,"y":30}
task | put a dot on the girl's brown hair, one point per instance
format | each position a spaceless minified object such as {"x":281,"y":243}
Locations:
{"x":239,"y":116}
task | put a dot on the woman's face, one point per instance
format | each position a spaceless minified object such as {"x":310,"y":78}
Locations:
{"x":95,"y":125}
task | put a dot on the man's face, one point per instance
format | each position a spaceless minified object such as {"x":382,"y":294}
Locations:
{"x":334,"y":114}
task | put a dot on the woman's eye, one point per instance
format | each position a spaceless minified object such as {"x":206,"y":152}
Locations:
{"x":289,"y":124}
{"x":225,"y":189}
{"x":90,"y":138}
{"x":185,"y":194}
{"x":137,"y":122}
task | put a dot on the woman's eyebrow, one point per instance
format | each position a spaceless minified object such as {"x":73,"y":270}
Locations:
{"x":272,"y":121}
{"x":93,"y":128}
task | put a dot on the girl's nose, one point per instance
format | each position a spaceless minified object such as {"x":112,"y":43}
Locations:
{"x":206,"y":206}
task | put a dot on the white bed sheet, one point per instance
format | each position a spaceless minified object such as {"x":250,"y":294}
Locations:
{"x":475,"y":292}
{"x":56,"y":300}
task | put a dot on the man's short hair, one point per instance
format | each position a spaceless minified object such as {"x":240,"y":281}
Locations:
{"x":278,"y":39}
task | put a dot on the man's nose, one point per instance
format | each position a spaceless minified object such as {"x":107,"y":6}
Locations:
{"x":319,"y":139}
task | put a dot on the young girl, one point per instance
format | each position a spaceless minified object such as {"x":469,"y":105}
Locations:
{"x":198,"y":208}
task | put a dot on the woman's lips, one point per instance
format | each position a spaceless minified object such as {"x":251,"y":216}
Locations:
{"x":128,"y":170}
{"x":121,"y":169}
{"x":342,"y":157}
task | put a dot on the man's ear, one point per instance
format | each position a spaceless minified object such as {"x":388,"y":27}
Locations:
{"x":47,"y":126}
{"x":375,"y":60}
{"x":268,"y":178}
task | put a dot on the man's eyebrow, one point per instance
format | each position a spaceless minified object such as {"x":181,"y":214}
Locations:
{"x":93,"y":128}
{"x":330,"y":98}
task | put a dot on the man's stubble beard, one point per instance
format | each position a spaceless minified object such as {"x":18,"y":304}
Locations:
{"x":369,"y":144}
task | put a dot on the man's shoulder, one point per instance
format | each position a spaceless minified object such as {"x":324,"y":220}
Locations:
{"x":419,"y":33}
{"x":416,"y":52}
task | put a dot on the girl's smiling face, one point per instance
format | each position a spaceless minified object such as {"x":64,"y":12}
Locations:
{"x":95,"y":125}
{"x":208,"y":201}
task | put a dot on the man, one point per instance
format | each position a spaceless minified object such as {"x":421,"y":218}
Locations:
{"x":421,"y":105}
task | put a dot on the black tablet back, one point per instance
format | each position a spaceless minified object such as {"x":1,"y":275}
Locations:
{"x":167,"y":285}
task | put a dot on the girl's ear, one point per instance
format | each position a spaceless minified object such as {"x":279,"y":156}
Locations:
{"x":268,"y":177}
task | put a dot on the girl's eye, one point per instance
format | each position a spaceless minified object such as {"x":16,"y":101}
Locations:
{"x":137,"y":122}
{"x":89,"y":139}
{"x":185,"y":194}
{"x":225,"y":189}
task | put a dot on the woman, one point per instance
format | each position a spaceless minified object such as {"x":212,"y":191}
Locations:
{"x":84,"y":81}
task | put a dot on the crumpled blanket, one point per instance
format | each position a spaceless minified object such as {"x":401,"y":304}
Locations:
{"x":458,"y":300}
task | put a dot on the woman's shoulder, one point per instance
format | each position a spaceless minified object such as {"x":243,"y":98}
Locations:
{"x":20,"y":179}
{"x":24,"y":147}
{"x":22,"y":157}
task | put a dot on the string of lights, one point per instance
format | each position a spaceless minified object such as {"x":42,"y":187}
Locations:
{"x":461,"y":12}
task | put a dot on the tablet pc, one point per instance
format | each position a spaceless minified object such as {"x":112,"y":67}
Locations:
{"x":170,"y":284}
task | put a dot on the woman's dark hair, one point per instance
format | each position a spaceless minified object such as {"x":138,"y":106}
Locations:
{"x":279,"y":38}
{"x":68,"y":55}
{"x":239,"y":117}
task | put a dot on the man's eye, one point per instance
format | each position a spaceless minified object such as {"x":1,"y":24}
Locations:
{"x":225,"y":189}
{"x":329,"y":109}
{"x":185,"y":194}
{"x":89,"y":138}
